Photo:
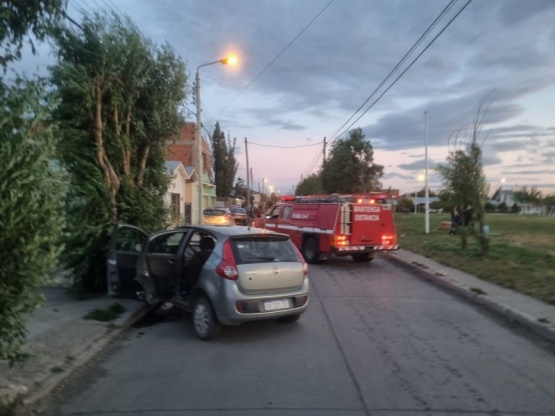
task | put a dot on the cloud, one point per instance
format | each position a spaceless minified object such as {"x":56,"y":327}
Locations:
{"x":418,"y":165}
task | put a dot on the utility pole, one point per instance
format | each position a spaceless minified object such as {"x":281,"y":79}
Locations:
{"x":324,"y":166}
{"x":252,"y":184}
{"x":324,"y":153}
{"x":427,"y":191}
{"x":198,"y":138}
{"x":248,"y":176}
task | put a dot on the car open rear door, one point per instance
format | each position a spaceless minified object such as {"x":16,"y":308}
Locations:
{"x":125,"y":246}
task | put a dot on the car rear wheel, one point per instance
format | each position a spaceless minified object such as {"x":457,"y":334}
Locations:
{"x":205,"y":322}
{"x":289,"y":319}
{"x":310,"y":250}
{"x":362,"y":257}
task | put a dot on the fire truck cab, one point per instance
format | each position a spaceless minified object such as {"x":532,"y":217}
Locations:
{"x":356,"y":225}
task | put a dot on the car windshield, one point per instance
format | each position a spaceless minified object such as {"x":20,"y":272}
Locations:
{"x":263,"y":249}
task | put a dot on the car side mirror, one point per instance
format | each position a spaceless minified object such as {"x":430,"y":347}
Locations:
{"x":138,"y":247}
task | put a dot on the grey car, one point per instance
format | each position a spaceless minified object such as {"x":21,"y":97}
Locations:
{"x":224,"y":275}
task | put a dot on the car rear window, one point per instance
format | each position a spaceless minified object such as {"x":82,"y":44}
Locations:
{"x":214,"y":212}
{"x":263,"y":250}
{"x":236,"y":210}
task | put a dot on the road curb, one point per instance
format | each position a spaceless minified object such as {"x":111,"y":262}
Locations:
{"x":506,"y":312}
{"x":82,"y":356}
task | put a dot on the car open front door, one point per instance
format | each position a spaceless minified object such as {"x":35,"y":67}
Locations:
{"x":125,"y":246}
{"x":160,"y":265}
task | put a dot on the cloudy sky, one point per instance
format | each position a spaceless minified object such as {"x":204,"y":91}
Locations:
{"x":306,"y":67}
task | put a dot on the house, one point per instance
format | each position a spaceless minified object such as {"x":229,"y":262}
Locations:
{"x":180,"y":192}
{"x":503,"y":196}
{"x":183,"y":150}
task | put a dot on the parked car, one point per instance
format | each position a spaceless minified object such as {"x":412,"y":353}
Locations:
{"x":217,"y":216}
{"x":222,"y":275}
{"x":240,"y":216}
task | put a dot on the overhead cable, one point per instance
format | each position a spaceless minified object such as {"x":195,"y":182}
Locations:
{"x":276,"y":58}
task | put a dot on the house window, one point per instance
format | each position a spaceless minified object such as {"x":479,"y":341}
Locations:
{"x":175,"y":201}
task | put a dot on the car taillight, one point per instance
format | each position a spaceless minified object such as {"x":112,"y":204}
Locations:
{"x":302,"y":260}
{"x":228,"y":267}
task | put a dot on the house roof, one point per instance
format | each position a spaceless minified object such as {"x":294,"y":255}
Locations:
{"x":172,"y":165}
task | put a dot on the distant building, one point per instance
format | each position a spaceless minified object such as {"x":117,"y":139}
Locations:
{"x":180,"y":192}
{"x":503,"y":196}
{"x":183,"y":150}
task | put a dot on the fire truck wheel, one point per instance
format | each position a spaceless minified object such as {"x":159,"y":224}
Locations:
{"x":310,"y":250}
{"x":362,"y":257}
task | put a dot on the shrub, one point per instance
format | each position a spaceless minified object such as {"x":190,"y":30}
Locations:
{"x":31,"y":209}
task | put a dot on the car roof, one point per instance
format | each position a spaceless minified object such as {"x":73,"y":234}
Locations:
{"x":223,"y":231}
{"x":233,"y":230}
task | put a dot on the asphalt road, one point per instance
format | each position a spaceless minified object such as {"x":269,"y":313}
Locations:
{"x":375,"y":341}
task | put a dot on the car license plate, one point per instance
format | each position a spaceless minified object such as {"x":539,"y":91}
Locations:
{"x":272,"y":305}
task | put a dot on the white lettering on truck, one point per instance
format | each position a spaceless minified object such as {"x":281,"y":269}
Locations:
{"x":363,"y":217}
{"x":300,"y":216}
{"x":367,"y":208}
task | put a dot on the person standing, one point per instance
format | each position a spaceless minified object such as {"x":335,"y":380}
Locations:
{"x":455,"y":218}
{"x":468,"y":215}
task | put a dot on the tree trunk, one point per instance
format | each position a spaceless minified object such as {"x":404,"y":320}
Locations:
{"x":110,"y":176}
{"x":142,"y":167}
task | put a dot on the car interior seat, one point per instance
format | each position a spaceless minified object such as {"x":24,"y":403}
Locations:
{"x":206,"y":245}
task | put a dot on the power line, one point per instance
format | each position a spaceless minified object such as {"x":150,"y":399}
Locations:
{"x":401,"y":74}
{"x":411,"y":64}
{"x":315,"y":160}
{"x":276,"y":58}
{"x":333,"y":137}
{"x":286,"y":147}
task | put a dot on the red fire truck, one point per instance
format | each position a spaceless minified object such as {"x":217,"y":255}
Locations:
{"x":343,"y":225}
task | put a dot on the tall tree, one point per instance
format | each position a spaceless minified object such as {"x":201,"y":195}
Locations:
{"x":528,"y":195}
{"x":464,"y":180}
{"x":121,"y":97}
{"x":19,"y":17}
{"x":224,"y":163}
{"x":241,"y":188}
{"x":310,"y":185}
{"x":350,"y":166}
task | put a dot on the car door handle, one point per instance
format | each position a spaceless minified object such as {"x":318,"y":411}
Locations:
{"x":171,"y":261}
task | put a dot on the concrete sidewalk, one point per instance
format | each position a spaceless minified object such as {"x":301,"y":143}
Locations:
{"x":59,"y":340}
{"x":534,"y":314}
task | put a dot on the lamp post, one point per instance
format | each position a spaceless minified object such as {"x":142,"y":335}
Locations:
{"x":232,"y":60}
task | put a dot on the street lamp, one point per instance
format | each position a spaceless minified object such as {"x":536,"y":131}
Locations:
{"x":231,"y":60}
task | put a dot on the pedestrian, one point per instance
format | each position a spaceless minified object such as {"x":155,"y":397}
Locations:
{"x":468,"y":215}
{"x":455,"y":219}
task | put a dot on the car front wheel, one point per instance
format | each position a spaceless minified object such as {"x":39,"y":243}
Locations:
{"x":205,"y":322}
